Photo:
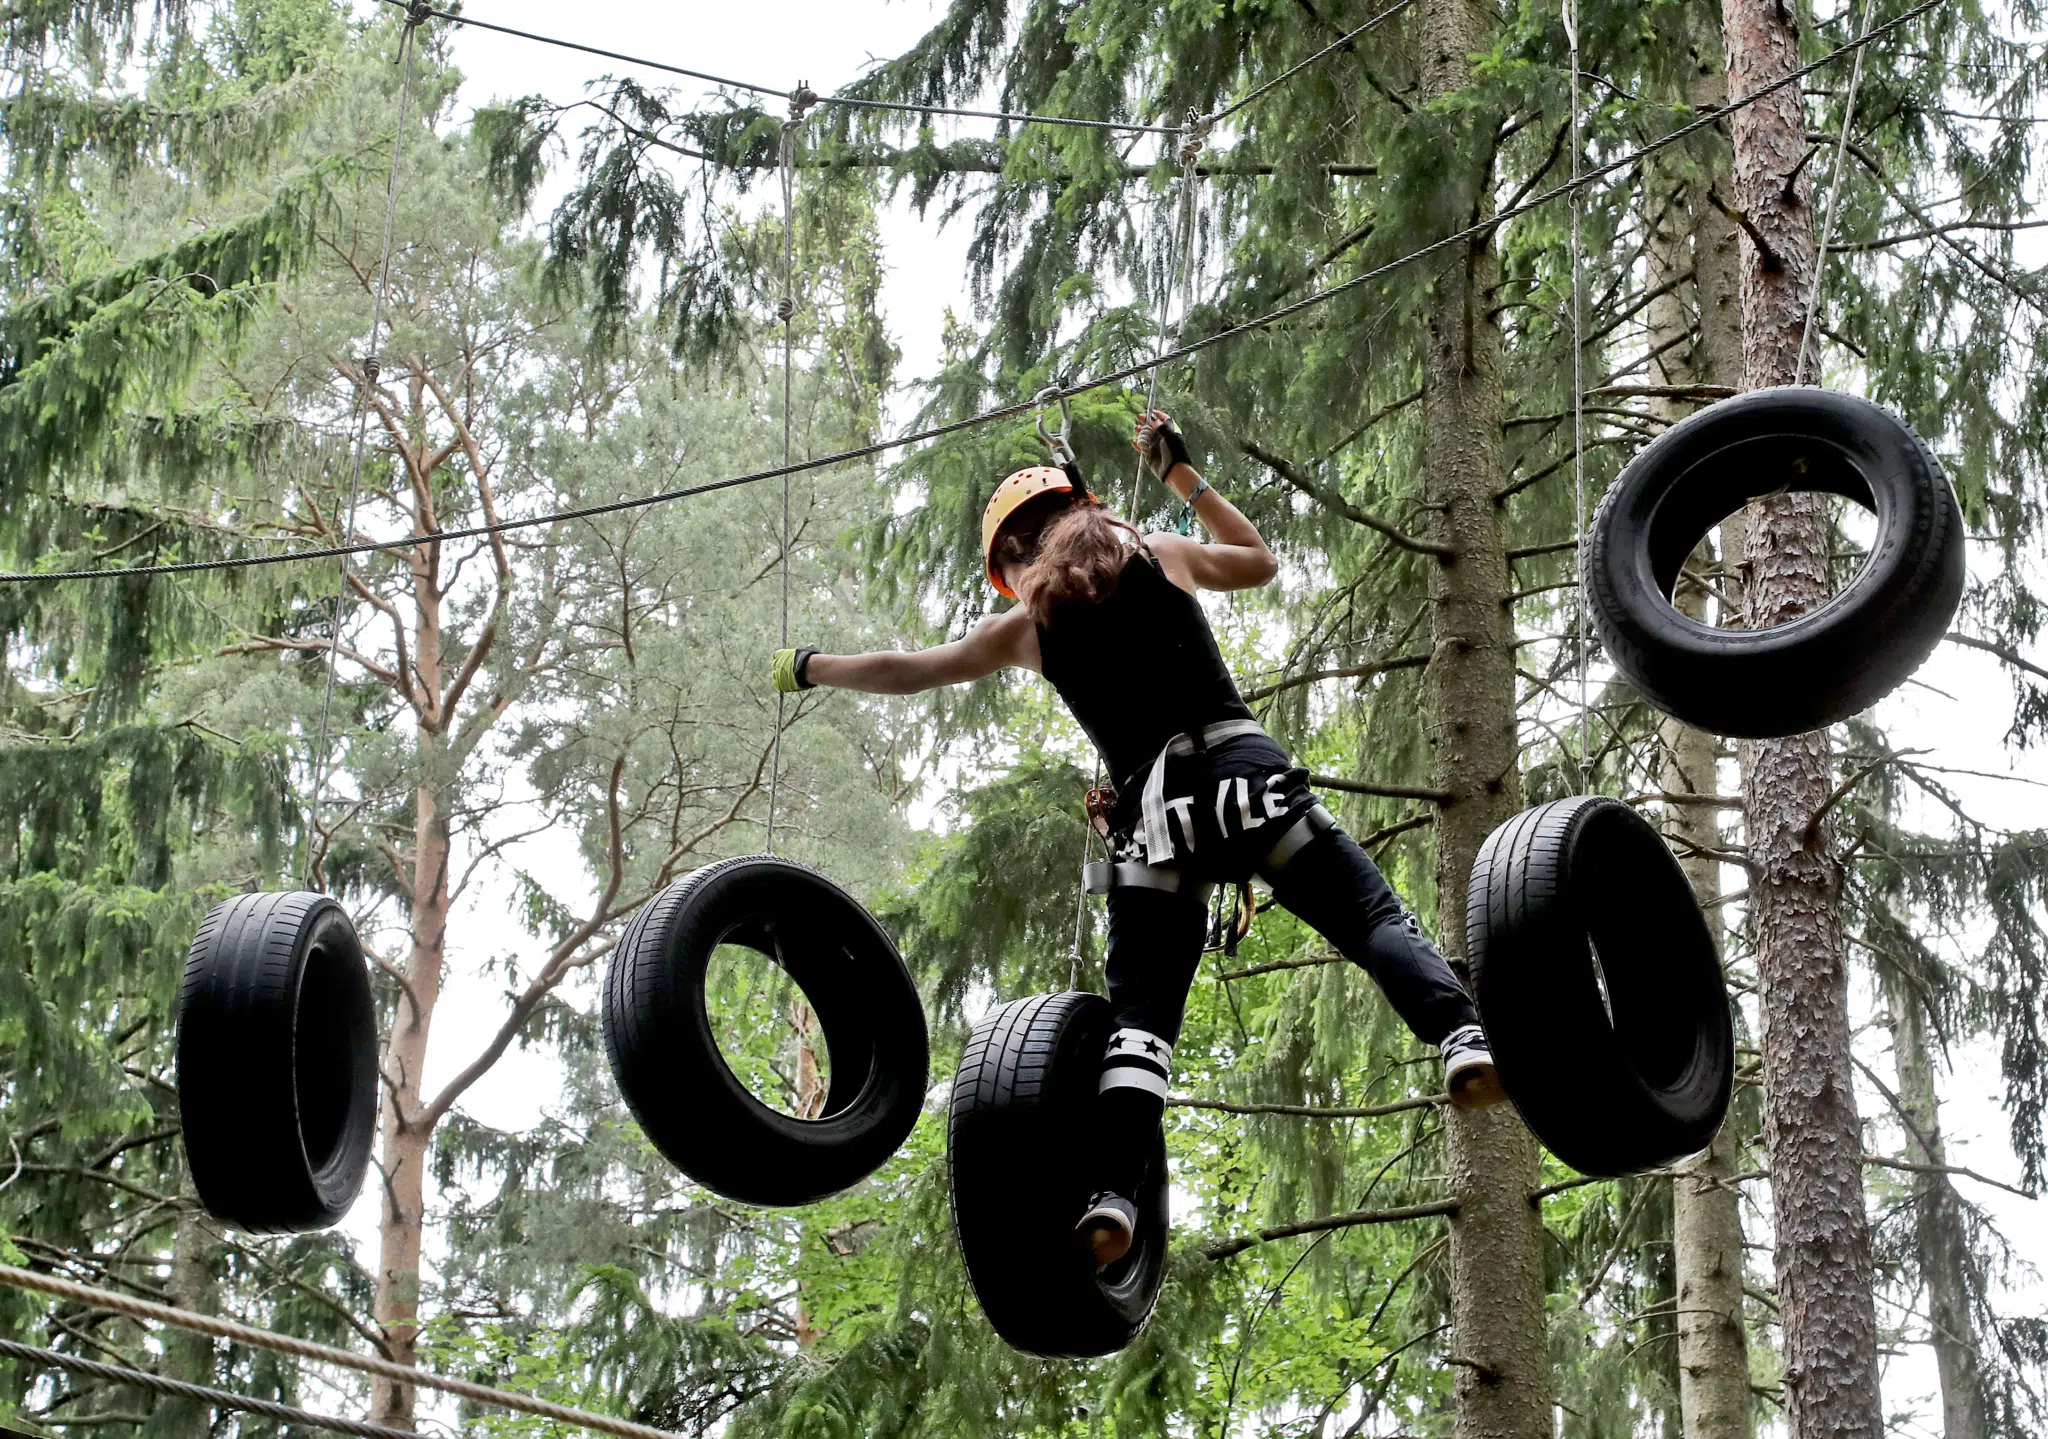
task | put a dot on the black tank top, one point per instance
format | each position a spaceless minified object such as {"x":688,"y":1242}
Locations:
{"x":1139,"y":668}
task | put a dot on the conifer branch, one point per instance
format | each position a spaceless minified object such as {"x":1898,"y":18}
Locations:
{"x":2004,"y":652}
{"x":1225,"y":1248}
{"x":1330,"y":499}
{"x":1382,"y":791}
{"x":1311,"y":1111}
{"x":1346,"y":672}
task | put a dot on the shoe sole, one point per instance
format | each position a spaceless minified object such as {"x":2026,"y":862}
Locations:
{"x":1478,"y":1088}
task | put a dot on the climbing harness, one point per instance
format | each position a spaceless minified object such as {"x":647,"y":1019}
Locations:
{"x":1827,"y":224}
{"x":415,"y":15}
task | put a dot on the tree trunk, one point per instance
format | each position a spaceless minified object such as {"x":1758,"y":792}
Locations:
{"x":187,"y":1356}
{"x":1938,"y":1228}
{"x":1688,"y":233}
{"x":1810,"y":1123}
{"x":406,"y":1140}
{"x":1498,"y":1336}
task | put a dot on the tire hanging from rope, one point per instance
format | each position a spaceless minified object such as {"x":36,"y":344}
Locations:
{"x":1579,"y":922}
{"x":276,"y":1025}
{"x":659,"y":1037}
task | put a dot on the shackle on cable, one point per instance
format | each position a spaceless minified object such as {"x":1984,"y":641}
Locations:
{"x":1058,"y":441}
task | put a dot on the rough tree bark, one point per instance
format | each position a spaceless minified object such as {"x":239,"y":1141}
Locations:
{"x":1503,"y":1382}
{"x":1810,"y":1122}
{"x":1944,"y":1250}
{"x":187,"y":1356}
{"x":406,"y":1134}
{"x":1687,"y":234}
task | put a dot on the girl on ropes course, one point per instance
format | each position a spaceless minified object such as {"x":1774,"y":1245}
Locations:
{"x":1203,"y":795}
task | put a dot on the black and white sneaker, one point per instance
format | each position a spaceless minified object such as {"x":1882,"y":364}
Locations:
{"x":1109,"y":1228}
{"x":1469,"y":1075}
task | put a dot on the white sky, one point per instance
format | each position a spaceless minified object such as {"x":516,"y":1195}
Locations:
{"x":828,"y":43}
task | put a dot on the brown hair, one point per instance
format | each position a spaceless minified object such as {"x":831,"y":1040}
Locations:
{"x":1073,"y":557}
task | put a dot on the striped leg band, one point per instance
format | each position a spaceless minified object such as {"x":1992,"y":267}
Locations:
{"x":1135,"y":1059}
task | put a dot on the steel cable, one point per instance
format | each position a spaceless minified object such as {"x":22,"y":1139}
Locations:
{"x":1477,"y":230}
{"x":205,"y":1394}
{"x":228,"y":1329}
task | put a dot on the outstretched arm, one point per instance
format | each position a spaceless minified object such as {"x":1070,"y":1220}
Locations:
{"x":1236,"y":558}
{"x":1000,"y":640}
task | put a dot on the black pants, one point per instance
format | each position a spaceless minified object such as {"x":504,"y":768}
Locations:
{"x":1155,"y":937}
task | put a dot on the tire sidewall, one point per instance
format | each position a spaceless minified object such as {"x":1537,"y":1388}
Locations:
{"x":673,"y":1076}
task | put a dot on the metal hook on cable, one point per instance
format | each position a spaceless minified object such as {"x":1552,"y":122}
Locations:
{"x":1059,"y":441}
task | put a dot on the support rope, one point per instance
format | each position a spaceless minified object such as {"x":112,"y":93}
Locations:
{"x":1571,"y":30}
{"x":205,"y":1394}
{"x":371,"y":367}
{"x":228,"y":1329}
{"x":1827,"y":224}
{"x":1704,"y":120}
{"x":786,"y":308}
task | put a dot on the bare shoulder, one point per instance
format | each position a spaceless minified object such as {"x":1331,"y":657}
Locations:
{"x":1178,"y":557}
{"x":1012,"y":636}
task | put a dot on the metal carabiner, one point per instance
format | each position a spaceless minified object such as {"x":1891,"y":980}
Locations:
{"x":1058,"y":443}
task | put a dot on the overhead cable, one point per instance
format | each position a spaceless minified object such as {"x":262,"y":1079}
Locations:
{"x":179,"y":1389}
{"x":1341,"y":42}
{"x":228,"y":1329}
{"x":851,"y":102}
{"x":1478,"y":230}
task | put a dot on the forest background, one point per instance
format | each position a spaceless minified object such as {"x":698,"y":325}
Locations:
{"x":194,"y":209}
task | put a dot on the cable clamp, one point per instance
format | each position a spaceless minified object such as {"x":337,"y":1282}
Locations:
{"x":1194,"y":136}
{"x":418,"y":13}
{"x":801,"y":100}
{"x":1059,"y":441}
{"x":785,"y":308}
{"x":371,"y":368}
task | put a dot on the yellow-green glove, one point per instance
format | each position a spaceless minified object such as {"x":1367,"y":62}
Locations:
{"x":789,"y":669}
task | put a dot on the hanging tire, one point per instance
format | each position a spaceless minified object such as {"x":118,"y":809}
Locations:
{"x":277,"y":1062}
{"x":694,"y":1109}
{"x":1599,"y":986}
{"x":1824,"y":666}
{"x":1023,"y":1101}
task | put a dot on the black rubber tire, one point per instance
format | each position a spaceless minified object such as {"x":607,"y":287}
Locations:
{"x":1022,"y":1101}
{"x":277,"y":1062}
{"x":1576,"y":911}
{"x":1827,"y":665}
{"x":694,"y":1109}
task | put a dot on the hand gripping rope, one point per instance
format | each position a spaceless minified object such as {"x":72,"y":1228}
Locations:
{"x":1478,"y":230}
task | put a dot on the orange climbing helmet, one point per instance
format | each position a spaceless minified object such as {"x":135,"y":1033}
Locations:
{"x":1011,"y":496}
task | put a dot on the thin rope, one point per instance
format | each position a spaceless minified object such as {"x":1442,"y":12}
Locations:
{"x":1180,"y":264}
{"x":854,"y":102}
{"x":787,"y":310}
{"x":179,"y":1389}
{"x":1291,"y":71}
{"x":1827,"y":224}
{"x":219,"y":1328}
{"x":1578,"y":205}
{"x":1704,"y":120}
{"x":371,"y":368}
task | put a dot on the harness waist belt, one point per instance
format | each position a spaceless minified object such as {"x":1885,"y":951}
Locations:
{"x":1158,"y":836}
{"x":1101,"y":876}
